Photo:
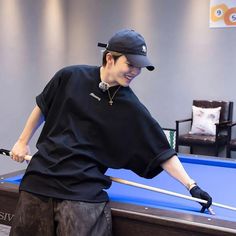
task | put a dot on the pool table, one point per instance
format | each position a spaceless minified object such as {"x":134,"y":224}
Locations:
{"x":142,"y":212}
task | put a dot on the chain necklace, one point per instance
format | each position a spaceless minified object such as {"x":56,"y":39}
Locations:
{"x":112,"y":97}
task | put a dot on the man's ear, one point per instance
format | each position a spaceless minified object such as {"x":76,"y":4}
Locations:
{"x":109,"y":58}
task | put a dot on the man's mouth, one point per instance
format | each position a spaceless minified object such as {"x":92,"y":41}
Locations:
{"x":128,"y":77}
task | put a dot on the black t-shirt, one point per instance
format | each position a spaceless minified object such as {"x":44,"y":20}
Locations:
{"x":83,"y":135}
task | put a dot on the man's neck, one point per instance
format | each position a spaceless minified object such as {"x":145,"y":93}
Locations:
{"x":106,"y":77}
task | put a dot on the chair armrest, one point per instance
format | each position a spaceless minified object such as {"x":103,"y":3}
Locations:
{"x":185,"y":120}
{"x":231,"y":124}
{"x":229,"y":130}
{"x":170,"y":129}
{"x":177,"y":122}
{"x":223,"y":124}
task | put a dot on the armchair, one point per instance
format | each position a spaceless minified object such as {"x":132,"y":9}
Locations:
{"x":215,"y":138}
{"x":231,"y":142}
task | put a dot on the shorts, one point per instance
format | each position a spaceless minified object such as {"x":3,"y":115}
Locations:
{"x":44,"y":216}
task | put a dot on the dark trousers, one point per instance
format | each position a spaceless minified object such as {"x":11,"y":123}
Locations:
{"x":42,"y":216}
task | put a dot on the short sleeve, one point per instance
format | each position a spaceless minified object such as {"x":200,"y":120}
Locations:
{"x":154,"y":149}
{"x":45,"y":99}
{"x":144,"y":147}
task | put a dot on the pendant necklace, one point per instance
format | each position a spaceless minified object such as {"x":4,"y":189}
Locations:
{"x":112,"y":97}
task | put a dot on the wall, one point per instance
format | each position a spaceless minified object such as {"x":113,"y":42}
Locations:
{"x":193,"y":61}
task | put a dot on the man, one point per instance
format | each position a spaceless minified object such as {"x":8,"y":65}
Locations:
{"x":93,"y":121}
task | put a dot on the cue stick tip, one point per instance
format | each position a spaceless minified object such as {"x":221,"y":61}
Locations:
{"x":211,"y":211}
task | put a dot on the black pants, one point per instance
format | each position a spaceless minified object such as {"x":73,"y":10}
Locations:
{"x":43,"y":216}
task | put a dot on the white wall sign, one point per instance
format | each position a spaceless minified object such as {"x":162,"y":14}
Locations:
{"x":222,"y":13}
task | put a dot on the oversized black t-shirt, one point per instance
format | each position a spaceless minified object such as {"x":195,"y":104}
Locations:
{"x":83,"y":135}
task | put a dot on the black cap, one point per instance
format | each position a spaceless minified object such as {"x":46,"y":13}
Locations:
{"x":132,"y":45}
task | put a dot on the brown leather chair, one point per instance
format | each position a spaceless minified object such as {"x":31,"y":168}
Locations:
{"x":231,"y":144}
{"x":202,"y":140}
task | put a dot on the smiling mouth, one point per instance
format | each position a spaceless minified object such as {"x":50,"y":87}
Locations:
{"x":128,"y":77}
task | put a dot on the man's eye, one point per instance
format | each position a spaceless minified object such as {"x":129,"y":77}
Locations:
{"x":129,"y":65}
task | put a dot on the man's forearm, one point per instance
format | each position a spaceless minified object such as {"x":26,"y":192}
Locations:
{"x":34,"y":121}
{"x":174,"y":167}
{"x":21,"y":148}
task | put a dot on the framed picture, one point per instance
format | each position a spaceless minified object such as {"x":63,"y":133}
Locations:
{"x":222,"y":13}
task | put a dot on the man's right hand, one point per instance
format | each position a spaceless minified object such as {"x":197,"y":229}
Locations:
{"x":19,"y":151}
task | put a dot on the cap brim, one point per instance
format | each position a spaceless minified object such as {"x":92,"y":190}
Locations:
{"x":140,"y":61}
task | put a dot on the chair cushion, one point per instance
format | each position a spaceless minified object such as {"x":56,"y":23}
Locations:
{"x":199,"y":139}
{"x":204,"y":120}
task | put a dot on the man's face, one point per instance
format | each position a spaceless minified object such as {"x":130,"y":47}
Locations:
{"x":122,"y":72}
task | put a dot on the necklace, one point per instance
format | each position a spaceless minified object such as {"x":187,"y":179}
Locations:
{"x":112,"y":97}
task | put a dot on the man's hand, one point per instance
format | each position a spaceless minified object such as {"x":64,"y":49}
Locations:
{"x":19,"y":151}
{"x":197,"y":192}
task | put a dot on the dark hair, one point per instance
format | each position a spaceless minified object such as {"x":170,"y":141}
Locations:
{"x":115,"y":55}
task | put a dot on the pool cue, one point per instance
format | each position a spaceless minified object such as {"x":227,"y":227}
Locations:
{"x":138,"y":185}
{"x":8,"y":153}
{"x":134,"y":184}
